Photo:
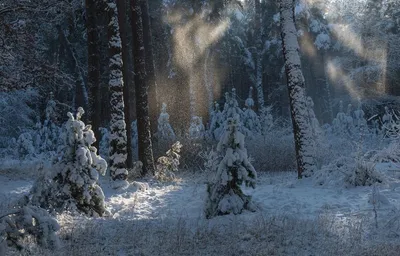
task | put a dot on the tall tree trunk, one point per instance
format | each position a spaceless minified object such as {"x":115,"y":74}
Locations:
{"x":259,"y":48}
{"x":93,"y":78}
{"x":128,"y":83}
{"x":118,"y":147}
{"x":301,"y":126}
{"x":145,"y":147}
{"x":150,"y":66}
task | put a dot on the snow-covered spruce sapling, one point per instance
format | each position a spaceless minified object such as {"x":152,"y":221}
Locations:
{"x":168,"y":164}
{"x":231,"y":107}
{"x":164,"y":128}
{"x":196,"y":129}
{"x":73,"y":182}
{"x":28,"y":221}
{"x":343,"y":123}
{"x":48,"y":134}
{"x":251,"y":121}
{"x":216,"y":123}
{"x":224,"y":194}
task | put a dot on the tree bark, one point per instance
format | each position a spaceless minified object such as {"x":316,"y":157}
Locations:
{"x":93,"y":78}
{"x":128,"y":83}
{"x":118,"y":140}
{"x":145,"y":148}
{"x":150,"y":66}
{"x":295,"y":79}
{"x":259,"y":48}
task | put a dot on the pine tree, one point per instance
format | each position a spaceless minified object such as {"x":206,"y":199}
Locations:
{"x":93,"y":76}
{"x":301,"y":126}
{"x":122,"y":8}
{"x":224,"y":195}
{"x":216,"y":123}
{"x":164,"y":129}
{"x":196,"y":128}
{"x":251,"y":121}
{"x":73,"y":182}
{"x":231,"y":107}
{"x":359,"y":118}
{"x":168,"y":164}
{"x":117,"y":137}
{"x":259,"y":47}
{"x":343,"y":123}
{"x":145,"y":148}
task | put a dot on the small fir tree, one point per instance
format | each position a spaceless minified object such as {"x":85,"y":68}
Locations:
{"x":73,"y":183}
{"x":196,"y":129}
{"x":251,"y":121}
{"x":164,"y":128}
{"x":266,"y":119}
{"x":168,"y":164}
{"x":48,"y":134}
{"x":343,"y":123}
{"x":316,"y":128}
{"x":224,"y":194}
{"x":216,"y":123}
{"x":359,"y":118}
{"x":231,"y":107}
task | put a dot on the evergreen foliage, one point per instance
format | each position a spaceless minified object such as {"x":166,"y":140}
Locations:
{"x":28,"y":221}
{"x":216,"y":123}
{"x":224,"y":194}
{"x":168,"y":164}
{"x":73,"y":181}
{"x":164,"y":128}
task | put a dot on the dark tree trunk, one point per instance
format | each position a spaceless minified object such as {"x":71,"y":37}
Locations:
{"x":145,"y":147}
{"x":301,"y":126}
{"x":128,"y":83}
{"x":259,"y":70}
{"x":93,"y":77}
{"x":150,"y":66}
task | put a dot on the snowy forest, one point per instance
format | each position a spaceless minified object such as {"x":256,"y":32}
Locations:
{"x":199,"y":127}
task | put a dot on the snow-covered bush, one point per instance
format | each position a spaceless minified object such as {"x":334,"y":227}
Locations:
{"x":216,"y":127}
{"x":73,"y":181}
{"x":164,"y":128}
{"x":364,"y":174}
{"x":390,"y":124}
{"x":211,"y":160}
{"x":196,"y":129}
{"x":224,"y":194}
{"x":28,"y":221}
{"x":168,"y":164}
{"x":390,"y":153}
{"x":348,"y":172}
{"x":251,"y":121}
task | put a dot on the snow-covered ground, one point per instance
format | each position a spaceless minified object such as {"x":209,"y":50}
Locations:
{"x":294,"y":217}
